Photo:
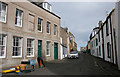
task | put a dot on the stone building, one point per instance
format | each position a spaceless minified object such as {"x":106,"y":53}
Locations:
{"x":71,"y":41}
{"x":75,"y":47}
{"x":27,"y":31}
{"x":64,"y":41}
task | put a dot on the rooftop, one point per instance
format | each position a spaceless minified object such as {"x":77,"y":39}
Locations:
{"x":38,"y":4}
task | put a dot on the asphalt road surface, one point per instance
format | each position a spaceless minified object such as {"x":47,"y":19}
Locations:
{"x":85,"y":65}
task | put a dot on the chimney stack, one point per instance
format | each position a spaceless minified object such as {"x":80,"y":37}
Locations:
{"x":100,"y":23}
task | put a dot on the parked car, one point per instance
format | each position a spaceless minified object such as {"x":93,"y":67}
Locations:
{"x":73,"y":54}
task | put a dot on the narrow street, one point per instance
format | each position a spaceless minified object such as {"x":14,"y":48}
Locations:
{"x":85,"y":65}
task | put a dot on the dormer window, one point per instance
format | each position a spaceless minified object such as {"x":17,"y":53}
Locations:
{"x":46,"y":6}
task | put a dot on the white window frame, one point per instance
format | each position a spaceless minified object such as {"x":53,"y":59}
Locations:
{"x":48,"y":27}
{"x":5,"y":12}
{"x":19,"y":18}
{"x":47,"y":48}
{"x":17,"y":46}
{"x":55,"y":27}
{"x":31,"y":47}
{"x":4,"y":56}
{"x":40,"y":24}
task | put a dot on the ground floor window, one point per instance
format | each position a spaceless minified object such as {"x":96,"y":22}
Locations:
{"x":99,"y":50}
{"x":109,"y":49}
{"x":48,"y":48}
{"x":30,"y":47}
{"x":17,"y":47}
{"x":2,"y":45}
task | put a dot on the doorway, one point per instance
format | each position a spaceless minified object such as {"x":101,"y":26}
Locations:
{"x":39,"y":48}
{"x":56,"y":51}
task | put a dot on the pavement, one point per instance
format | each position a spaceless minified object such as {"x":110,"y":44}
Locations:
{"x":107,"y":67}
{"x":85,"y":65}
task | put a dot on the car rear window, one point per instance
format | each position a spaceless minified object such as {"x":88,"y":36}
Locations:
{"x":73,"y":52}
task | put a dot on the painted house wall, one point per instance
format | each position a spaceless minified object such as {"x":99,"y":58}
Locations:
{"x":94,"y":47}
{"x":110,"y":39}
{"x":100,"y":53}
{"x":106,"y":38}
{"x":117,"y":25}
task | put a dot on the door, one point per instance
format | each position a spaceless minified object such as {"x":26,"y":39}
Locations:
{"x":39,"y":48}
{"x":103,"y":51}
{"x":55,"y":51}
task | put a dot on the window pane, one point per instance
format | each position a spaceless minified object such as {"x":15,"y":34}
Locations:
{"x":20,"y":14}
{"x":3,"y":7}
{"x":39,"y":21}
{"x":2,"y":45}
{"x":2,"y":11}
{"x":16,"y":12}
{"x":2,"y":53}
{"x":28,"y":50}
{"x":48,"y":48}
{"x":18,"y":18}
{"x":39,"y":27}
{"x":55,"y":29}
{"x":39,"y":24}
{"x":16,"y":46}
{"x":48,"y":27}
{"x":3,"y":18}
{"x":30,"y":47}
{"x":15,"y":20}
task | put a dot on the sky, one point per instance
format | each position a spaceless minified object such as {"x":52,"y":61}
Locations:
{"x":81,"y":17}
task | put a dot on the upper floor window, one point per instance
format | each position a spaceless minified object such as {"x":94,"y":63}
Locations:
{"x":99,"y":36}
{"x":3,"y":12}
{"x":48,"y":6}
{"x":18,"y":18}
{"x":48,"y":27}
{"x":55,"y":29}
{"x":92,"y":44}
{"x":40,"y":24}
{"x":17,"y":47}
{"x":102,"y":32}
{"x":30,"y":47}
{"x":2,"y":46}
{"x":107,"y":28}
{"x":96,"y":42}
